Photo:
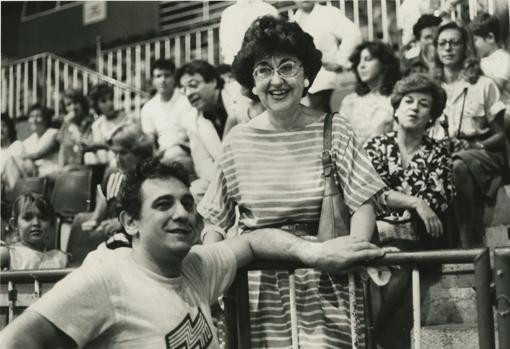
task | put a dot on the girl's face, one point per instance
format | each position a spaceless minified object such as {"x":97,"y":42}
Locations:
{"x":105,"y":104}
{"x":279,"y":82}
{"x":36,"y":121}
{"x":450,"y":48}
{"x":73,"y":107}
{"x":413,"y":113}
{"x":33,"y":227}
{"x":369,"y":67}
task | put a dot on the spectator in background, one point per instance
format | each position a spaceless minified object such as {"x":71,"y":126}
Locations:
{"x":219,"y":106}
{"x":368,"y":108}
{"x":336,"y":37}
{"x":11,"y":147}
{"x":76,"y":131}
{"x":108,"y":120}
{"x":32,"y":219}
{"x":234,"y":22}
{"x":473,"y":120}
{"x":166,"y":116}
{"x":40,"y":149}
{"x":424,"y":31}
{"x":495,"y":61}
{"x":417,"y":170}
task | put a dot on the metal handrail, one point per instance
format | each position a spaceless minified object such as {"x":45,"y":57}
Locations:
{"x":41,"y":275}
{"x":502,"y":302}
{"x":237,"y":308}
{"x":92,"y":72}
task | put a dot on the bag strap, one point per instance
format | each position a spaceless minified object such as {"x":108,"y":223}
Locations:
{"x":328,"y":165}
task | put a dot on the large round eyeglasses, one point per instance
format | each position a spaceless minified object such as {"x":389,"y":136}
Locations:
{"x":286,"y":70}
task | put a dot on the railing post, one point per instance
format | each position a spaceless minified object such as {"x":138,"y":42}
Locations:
{"x":502,"y":280}
{"x":482,"y":265}
{"x":99,"y":55}
{"x":237,"y":312}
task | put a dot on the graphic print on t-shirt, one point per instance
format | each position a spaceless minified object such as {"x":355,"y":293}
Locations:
{"x":190,"y":334}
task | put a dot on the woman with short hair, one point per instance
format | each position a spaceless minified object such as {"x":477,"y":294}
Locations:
{"x":271,"y":170}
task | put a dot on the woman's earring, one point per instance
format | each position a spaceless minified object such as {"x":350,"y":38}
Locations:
{"x":254,"y":90}
{"x":306,"y":83}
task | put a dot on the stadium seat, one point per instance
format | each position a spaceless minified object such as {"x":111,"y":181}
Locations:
{"x":30,"y":185}
{"x":72,"y":193}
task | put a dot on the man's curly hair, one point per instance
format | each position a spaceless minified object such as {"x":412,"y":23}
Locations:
{"x":269,"y":35}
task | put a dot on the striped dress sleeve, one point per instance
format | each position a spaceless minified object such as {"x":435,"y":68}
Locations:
{"x":360,"y":181}
{"x":218,"y":207}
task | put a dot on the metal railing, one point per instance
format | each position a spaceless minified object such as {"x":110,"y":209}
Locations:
{"x":25,"y":287}
{"x":44,"y":77}
{"x":237,"y":308}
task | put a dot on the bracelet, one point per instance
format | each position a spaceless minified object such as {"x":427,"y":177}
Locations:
{"x":205,"y":232}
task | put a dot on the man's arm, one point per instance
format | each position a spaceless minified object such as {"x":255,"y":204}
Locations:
{"x":32,"y":331}
{"x":275,"y":244}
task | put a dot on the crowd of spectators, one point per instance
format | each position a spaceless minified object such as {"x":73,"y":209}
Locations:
{"x":420,"y":137}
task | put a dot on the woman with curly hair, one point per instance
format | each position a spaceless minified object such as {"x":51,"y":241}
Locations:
{"x":368,"y":108}
{"x":474,"y":122}
{"x":271,"y":170}
{"x":418,"y":172}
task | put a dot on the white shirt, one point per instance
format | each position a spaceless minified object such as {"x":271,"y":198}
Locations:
{"x":497,"y":66}
{"x":168,"y":120}
{"x":334,"y":35}
{"x":235,"y":20}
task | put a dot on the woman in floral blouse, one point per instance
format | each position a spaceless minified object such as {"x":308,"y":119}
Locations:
{"x":411,"y":163}
{"x":417,"y":170}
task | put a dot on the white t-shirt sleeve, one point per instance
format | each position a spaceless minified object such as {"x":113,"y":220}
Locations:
{"x":146,"y":121}
{"x":79,"y":305}
{"x":218,"y":267}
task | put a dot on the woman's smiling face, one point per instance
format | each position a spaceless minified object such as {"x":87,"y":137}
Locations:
{"x":279,"y":82}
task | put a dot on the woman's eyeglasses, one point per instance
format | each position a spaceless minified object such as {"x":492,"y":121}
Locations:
{"x":285,"y":70}
{"x":452,"y":43}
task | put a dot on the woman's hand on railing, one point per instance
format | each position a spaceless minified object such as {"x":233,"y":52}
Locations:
{"x":338,"y":255}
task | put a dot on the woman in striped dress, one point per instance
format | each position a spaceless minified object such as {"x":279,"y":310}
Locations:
{"x":271,"y":170}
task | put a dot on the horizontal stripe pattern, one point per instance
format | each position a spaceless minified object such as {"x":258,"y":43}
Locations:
{"x":321,"y":304}
{"x":276,"y":177}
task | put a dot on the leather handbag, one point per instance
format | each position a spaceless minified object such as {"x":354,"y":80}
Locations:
{"x":335,"y":216}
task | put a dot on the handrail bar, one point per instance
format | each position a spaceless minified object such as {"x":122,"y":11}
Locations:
{"x":42,"y":275}
{"x":391,"y":258}
{"x":92,"y":72}
{"x":160,"y":38}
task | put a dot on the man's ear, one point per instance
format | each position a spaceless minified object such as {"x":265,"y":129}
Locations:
{"x":129,"y":224}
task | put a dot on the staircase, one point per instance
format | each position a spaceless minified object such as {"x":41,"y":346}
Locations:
{"x":44,"y":77}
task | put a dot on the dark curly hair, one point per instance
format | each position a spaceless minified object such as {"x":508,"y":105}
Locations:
{"x":46,"y":113}
{"x":484,"y":24}
{"x":389,"y":62}
{"x":425,"y":21}
{"x":11,"y":126}
{"x":131,"y":192}
{"x":470,"y":65}
{"x":269,"y":35}
{"x":202,"y":68}
{"x":420,"y":83}
{"x":100,"y":91}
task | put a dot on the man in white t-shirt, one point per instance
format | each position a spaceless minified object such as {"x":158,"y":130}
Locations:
{"x":495,"y":61}
{"x":166,"y":115}
{"x":157,"y":294}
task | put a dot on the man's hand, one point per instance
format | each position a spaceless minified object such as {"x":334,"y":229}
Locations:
{"x":89,"y":225}
{"x":339,"y":254}
{"x":428,"y":216}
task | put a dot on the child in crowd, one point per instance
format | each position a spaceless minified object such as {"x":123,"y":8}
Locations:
{"x":32,"y":219}
{"x":495,"y":61}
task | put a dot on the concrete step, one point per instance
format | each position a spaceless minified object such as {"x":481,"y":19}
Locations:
{"x":449,"y":298}
{"x":498,"y":235}
{"x":499,"y":214}
{"x":449,"y":337}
